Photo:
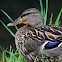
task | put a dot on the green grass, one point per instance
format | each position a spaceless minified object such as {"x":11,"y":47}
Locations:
{"x":15,"y":56}
{"x":8,"y":29}
{"x":8,"y":17}
{"x":10,"y":56}
{"x":44,"y":14}
{"x":42,"y":54}
{"x":44,"y":11}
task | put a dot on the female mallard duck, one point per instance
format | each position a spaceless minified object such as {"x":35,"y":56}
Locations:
{"x":34,"y":35}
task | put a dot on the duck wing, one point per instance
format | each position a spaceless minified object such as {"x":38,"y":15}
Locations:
{"x":53,"y":41}
{"x":51,"y":37}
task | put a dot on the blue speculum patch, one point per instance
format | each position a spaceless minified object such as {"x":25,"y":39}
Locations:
{"x":52,"y":45}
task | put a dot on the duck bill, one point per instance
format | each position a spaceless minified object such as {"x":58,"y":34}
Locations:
{"x":16,"y":22}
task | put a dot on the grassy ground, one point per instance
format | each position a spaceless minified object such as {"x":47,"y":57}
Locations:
{"x":13,"y":56}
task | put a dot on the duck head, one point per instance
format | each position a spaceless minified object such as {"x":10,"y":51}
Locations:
{"x":31,"y":17}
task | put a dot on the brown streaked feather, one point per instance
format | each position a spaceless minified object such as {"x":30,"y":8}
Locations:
{"x":35,"y":37}
{"x":46,"y":33}
{"x":56,"y":27}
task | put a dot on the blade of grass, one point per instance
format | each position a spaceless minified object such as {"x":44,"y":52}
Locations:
{"x":41,"y":7}
{"x":20,"y":59}
{"x":3,"y":57}
{"x":8,"y":29}
{"x":35,"y":59}
{"x":11,"y":56}
{"x":42,"y":54}
{"x":15,"y":53}
{"x":8,"y":17}
{"x":51,"y":18}
{"x":46,"y":12}
{"x":6,"y":58}
{"x":44,"y":17}
{"x":7,"y":51}
{"x":46,"y":6}
{"x":58,"y":17}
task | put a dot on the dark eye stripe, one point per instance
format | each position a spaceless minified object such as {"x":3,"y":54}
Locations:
{"x":28,"y":14}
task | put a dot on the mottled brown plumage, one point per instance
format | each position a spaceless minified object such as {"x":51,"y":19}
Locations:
{"x":34,"y":35}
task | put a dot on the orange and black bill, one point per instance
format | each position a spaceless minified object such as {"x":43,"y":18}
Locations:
{"x":16,"y":22}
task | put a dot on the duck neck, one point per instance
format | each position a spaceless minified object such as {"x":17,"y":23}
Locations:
{"x":38,"y":25}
